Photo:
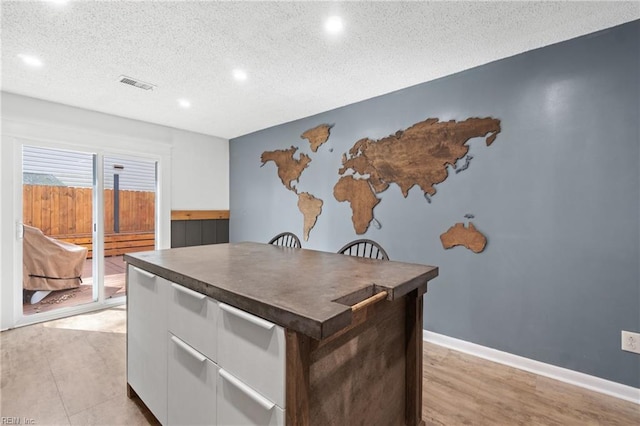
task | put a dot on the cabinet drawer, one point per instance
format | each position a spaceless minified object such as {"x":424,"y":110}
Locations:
{"x":193,"y":317}
{"x":192,"y":385}
{"x":239,"y":404}
{"x":253,"y":350}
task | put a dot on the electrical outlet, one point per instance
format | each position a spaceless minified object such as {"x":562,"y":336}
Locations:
{"x":631,"y":342}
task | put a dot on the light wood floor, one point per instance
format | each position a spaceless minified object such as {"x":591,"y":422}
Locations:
{"x":462,"y":389}
{"x":72,"y":371}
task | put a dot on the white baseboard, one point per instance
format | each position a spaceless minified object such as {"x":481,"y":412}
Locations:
{"x":618,"y":390}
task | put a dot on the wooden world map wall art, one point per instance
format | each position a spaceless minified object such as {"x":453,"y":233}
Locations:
{"x":418,"y":155}
{"x":460,"y":235}
{"x":290,"y":169}
{"x":317,"y":136}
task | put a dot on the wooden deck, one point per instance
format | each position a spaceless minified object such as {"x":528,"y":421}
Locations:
{"x":114,"y":282}
{"x":114,"y":244}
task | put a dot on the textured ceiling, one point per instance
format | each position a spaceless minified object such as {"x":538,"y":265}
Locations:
{"x":189,"y":49}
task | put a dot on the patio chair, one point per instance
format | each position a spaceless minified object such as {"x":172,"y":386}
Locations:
{"x":49,"y":264}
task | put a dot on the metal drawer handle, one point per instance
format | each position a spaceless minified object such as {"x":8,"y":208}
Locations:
{"x":145,"y":273}
{"x":188,"y":349}
{"x":264,"y":402}
{"x":247,"y":316}
{"x":188,"y":291}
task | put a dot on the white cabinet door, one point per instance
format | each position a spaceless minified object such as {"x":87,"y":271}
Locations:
{"x":192,"y":385}
{"x":240,"y":405}
{"x":252,"y":349}
{"x":147,"y":297}
{"x":193,"y":317}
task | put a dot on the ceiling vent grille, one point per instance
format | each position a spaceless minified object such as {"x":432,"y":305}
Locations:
{"x":136,"y":83}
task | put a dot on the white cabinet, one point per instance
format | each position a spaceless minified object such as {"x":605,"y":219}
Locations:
{"x":195,"y":361}
{"x":147,"y":339}
{"x":192,"y":385}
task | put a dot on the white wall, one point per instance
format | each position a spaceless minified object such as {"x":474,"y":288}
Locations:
{"x":3,"y":320}
{"x":200,"y":173}
{"x":194,"y":168}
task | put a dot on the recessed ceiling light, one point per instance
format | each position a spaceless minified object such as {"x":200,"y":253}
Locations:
{"x":333,"y":25}
{"x":184,"y":103}
{"x":58,"y":2}
{"x":30,"y":60}
{"x":239,"y":75}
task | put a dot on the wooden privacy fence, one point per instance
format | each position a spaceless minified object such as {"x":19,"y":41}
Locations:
{"x":66,"y":213}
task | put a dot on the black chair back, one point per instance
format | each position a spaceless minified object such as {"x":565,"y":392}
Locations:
{"x":364,"y":248}
{"x":286,"y":239}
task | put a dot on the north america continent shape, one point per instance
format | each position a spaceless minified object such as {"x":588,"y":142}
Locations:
{"x":289,"y":168}
{"x":418,"y":155}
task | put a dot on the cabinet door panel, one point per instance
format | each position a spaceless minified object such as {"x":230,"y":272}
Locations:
{"x":192,"y":385}
{"x":147,"y":339}
{"x":193,"y":317}
{"x":252,"y":349}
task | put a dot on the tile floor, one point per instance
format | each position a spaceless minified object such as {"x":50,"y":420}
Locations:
{"x":69,"y":372}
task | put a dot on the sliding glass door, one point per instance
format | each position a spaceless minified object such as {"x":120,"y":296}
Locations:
{"x":129,"y":215}
{"x":58,"y":194}
{"x":81,"y":212}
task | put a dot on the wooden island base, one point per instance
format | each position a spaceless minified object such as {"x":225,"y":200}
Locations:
{"x":370,"y":373}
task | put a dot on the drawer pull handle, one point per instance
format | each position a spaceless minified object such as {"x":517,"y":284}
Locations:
{"x":188,"y":349}
{"x":264,"y":402}
{"x":247,"y":316}
{"x":145,"y":273}
{"x":188,"y":291}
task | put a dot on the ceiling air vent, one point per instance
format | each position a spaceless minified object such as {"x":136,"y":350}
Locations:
{"x":136,"y":83}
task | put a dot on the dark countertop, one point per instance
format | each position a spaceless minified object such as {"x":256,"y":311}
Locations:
{"x":294,"y":288}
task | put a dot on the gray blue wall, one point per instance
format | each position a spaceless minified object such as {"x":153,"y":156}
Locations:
{"x":557,"y":195}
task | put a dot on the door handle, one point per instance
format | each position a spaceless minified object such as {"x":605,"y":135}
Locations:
{"x":247,"y":317}
{"x":188,"y":291}
{"x":188,"y":349}
{"x":255,"y":396}
{"x":145,"y":273}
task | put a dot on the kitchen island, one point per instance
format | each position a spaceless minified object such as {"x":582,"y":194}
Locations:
{"x":251,"y":333}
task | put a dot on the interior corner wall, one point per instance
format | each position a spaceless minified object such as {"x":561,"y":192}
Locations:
{"x":556,"y":195}
{"x":198,"y":165}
